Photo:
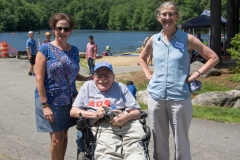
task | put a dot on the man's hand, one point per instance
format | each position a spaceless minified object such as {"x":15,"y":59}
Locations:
{"x":29,"y":56}
{"x":100,"y":113}
{"x":120,"y":119}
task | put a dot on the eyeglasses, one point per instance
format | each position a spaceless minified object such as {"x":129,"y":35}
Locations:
{"x":59,"y":29}
{"x":170,"y":14}
{"x":106,"y":75}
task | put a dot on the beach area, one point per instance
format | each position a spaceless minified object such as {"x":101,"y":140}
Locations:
{"x":124,"y":59}
{"x":119,"y":60}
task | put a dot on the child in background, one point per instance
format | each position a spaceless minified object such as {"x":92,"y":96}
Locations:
{"x":132,"y":88}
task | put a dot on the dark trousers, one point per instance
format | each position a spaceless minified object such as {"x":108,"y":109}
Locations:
{"x":91,"y":65}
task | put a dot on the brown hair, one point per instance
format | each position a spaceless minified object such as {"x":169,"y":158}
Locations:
{"x":60,"y":16}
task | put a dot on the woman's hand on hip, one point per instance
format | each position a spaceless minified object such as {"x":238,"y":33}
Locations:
{"x":149,"y":77}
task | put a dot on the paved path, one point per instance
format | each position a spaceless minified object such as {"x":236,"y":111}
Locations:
{"x":20,"y":141}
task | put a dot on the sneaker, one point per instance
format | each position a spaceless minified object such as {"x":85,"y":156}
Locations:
{"x":29,"y":73}
{"x":33,"y":75}
{"x":81,"y":156}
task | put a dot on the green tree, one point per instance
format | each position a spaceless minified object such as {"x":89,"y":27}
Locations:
{"x":94,"y":14}
{"x":235,"y":49}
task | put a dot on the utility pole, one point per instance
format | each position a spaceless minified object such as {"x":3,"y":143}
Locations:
{"x":39,"y":38}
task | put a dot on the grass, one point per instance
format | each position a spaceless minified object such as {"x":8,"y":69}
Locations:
{"x":218,"y":114}
{"x":235,"y":78}
{"x":83,"y":62}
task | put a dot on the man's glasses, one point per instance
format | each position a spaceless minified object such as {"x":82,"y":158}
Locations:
{"x":59,"y":29}
{"x":170,"y":14}
{"x":106,"y":75}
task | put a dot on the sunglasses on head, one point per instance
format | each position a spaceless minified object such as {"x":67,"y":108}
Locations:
{"x":66,"y":29}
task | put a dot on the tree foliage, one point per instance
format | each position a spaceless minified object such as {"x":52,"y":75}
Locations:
{"x":235,"y":49}
{"x":22,"y":15}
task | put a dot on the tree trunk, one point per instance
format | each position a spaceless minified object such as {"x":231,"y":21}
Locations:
{"x":215,"y":37}
{"x":230,"y":22}
{"x":236,"y":18}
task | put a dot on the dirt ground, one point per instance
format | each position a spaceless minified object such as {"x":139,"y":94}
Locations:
{"x":223,"y":79}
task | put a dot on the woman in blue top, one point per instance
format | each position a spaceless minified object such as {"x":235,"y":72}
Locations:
{"x":53,"y":92}
{"x":168,"y":90}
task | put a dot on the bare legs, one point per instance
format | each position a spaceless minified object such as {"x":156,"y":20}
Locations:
{"x":31,"y":70}
{"x":58,"y":145}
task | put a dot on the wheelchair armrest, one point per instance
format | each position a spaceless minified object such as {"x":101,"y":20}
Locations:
{"x":143,"y":114}
{"x":81,"y":123}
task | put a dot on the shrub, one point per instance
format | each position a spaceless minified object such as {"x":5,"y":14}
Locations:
{"x":235,"y":54}
{"x":235,"y":49}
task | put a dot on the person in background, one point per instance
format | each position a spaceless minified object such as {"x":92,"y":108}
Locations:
{"x":150,"y":60}
{"x":91,"y":51}
{"x":108,"y":50}
{"x":199,"y":37}
{"x":169,"y":98}
{"x":132,"y":88}
{"x":48,"y":37}
{"x":223,"y":51}
{"x":31,"y":52}
{"x":151,"y":55}
{"x":57,"y":69}
{"x":118,"y":138}
{"x":180,"y":27}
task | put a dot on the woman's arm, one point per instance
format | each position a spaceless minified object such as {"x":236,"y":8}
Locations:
{"x":142,"y":59}
{"x":40,"y":74}
{"x":205,"y":52}
{"x":83,"y":78}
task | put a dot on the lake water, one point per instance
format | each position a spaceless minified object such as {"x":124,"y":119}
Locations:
{"x":119,"y":41}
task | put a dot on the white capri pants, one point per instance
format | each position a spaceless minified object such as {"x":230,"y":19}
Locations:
{"x":179,"y":114}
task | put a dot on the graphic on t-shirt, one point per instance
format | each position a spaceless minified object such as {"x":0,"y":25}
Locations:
{"x":99,"y":103}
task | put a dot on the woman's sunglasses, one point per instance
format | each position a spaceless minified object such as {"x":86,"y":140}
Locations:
{"x":59,"y":29}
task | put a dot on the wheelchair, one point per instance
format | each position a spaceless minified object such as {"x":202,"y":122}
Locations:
{"x":90,"y":139}
{"x":197,"y":57}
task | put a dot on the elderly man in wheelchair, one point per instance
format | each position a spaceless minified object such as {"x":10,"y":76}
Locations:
{"x":113,"y":113}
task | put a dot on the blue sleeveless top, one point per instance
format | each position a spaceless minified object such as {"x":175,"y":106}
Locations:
{"x":171,"y":67}
{"x":55,"y":82}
